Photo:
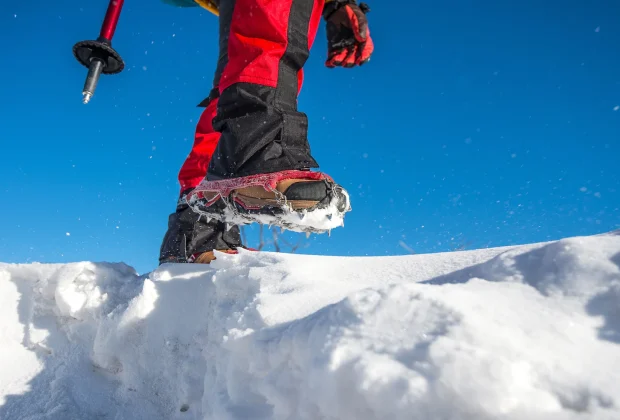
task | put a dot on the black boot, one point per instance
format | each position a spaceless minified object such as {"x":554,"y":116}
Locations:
{"x":190,"y":235}
{"x":301,"y":201}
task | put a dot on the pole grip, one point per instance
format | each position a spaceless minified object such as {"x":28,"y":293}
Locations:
{"x":111,"y":19}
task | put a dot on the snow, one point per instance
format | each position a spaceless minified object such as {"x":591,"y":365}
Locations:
{"x":509,"y":333}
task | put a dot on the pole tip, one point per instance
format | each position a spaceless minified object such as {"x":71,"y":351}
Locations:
{"x":86,"y":98}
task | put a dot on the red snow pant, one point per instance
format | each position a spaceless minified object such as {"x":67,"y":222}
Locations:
{"x":251,"y":124}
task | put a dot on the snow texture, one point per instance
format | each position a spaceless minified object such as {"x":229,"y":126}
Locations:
{"x":528,"y":332}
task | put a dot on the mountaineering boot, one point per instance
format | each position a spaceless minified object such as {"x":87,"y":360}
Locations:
{"x":207,"y":257}
{"x":296,"y":200}
{"x":191,"y":238}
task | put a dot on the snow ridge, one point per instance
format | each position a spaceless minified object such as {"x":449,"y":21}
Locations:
{"x":523,"y":332}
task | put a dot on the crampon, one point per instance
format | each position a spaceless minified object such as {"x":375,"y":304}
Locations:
{"x":300,"y":201}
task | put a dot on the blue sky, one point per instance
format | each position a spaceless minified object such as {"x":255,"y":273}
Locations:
{"x":482,"y":123}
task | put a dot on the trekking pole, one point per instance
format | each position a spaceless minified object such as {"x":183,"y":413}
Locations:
{"x":99,"y":56}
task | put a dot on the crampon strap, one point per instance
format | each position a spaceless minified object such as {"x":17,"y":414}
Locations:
{"x":269,"y":182}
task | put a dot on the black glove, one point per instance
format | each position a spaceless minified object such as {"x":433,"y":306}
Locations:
{"x":348,"y":37}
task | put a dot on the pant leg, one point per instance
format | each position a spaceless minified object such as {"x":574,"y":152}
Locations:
{"x":264,"y":45}
{"x":194,"y":169}
{"x":189,"y":234}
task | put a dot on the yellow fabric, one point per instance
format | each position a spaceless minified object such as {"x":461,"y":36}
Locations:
{"x":209,"y":5}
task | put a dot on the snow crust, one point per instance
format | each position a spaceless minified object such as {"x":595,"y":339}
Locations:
{"x":529,"y":332}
